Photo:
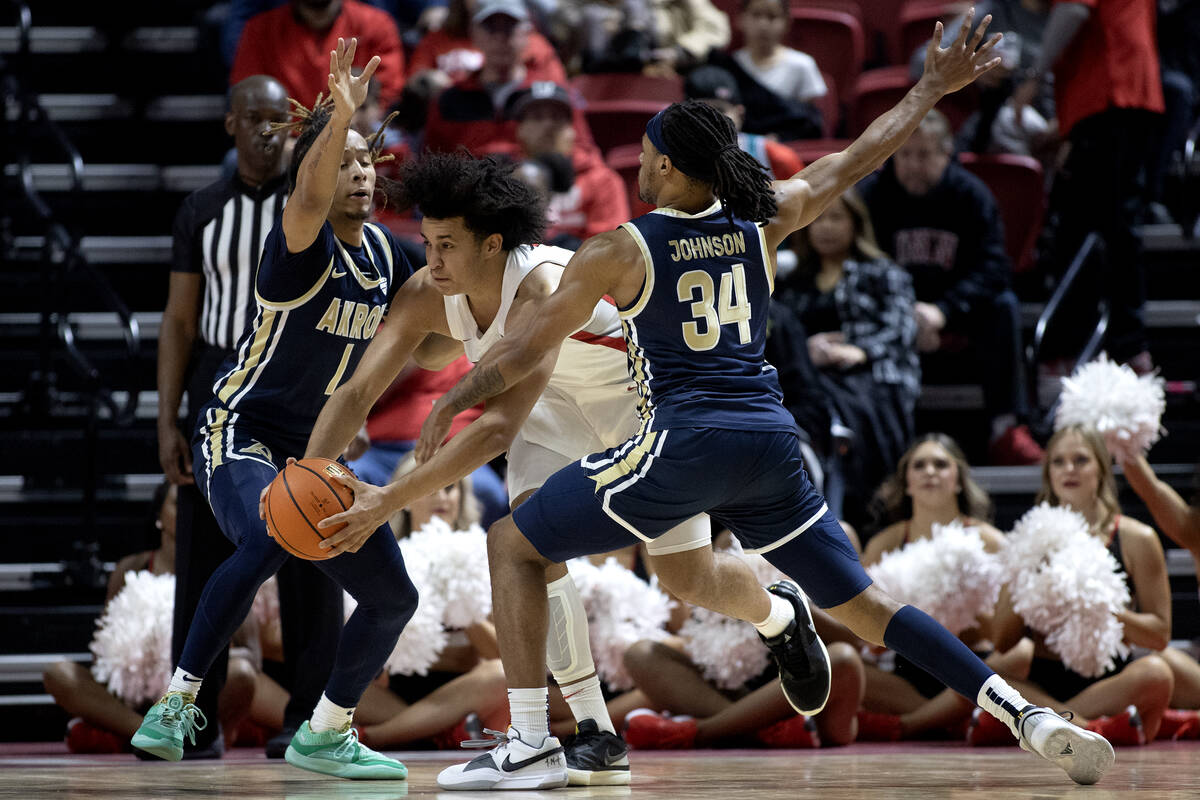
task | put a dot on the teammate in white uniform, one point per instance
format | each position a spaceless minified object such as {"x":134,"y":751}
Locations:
{"x":482,"y":278}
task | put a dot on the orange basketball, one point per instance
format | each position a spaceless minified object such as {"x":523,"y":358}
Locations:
{"x":302,"y":495}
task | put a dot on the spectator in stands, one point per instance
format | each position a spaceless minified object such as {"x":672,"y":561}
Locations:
{"x":452,"y":53}
{"x":604,"y":35}
{"x":995,"y":127}
{"x":101,"y":722}
{"x":941,"y":223}
{"x":293,"y":43}
{"x":585,"y":196}
{"x":1109,"y":97}
{"x":686,"y":32}
{"x":475,"y":112}
{"x":779,"y":83}
{"x":209,"y":302}
{"x":718,"y":88}
{"x":856,"y":306}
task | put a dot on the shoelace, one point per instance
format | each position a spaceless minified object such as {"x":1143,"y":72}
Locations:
{"x":349,"y":745}
{"x":1021,"y":720}
{"x":187,"y":721}
{"x":494,"y":739}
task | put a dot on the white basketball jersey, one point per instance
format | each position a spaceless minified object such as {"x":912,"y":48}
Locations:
{"x":593,"y":357}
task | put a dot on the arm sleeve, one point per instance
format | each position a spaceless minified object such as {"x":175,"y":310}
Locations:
{"x":896,"y":328}
{"x":285,"y":277}
{"x":986,"y":271}
{"x":186,"y":255}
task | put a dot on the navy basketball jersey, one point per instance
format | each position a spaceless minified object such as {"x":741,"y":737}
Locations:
{"x":696,"y":333}
{"x":317,"y":312}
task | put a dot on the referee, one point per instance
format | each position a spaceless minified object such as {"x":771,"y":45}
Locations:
{"x":218,"y":239}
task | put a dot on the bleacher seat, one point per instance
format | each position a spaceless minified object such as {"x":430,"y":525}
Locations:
{"x":624,"y":160}
{"x":877,"y":90}
{"x":834,"y":38}
{"x":627,"y":86}
{"x":617,"y":122}
{"x":1019,"y":187}
{"x":917,"y":18}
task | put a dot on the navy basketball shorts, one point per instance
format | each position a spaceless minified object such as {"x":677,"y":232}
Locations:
{"x":752,"y":482}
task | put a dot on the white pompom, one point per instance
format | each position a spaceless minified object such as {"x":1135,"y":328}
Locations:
{"x":1113,"y":399}
{"x":949,"y":576}
{"x":132,"y":643}
{"x":458,"y":570}
{"x":1066,"y":585}
{"x":622,"y":609}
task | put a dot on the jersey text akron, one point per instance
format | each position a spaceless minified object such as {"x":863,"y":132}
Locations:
{"x":350,"y":319}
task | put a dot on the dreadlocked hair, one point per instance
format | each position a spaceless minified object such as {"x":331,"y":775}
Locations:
{"x":483,"y":191}
{"x":310,"y":123}
{"x":703,"y":145}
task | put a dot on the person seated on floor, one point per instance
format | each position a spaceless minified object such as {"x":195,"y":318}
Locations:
{"x":685,"y":710}
{"x":941,"y":223}
{"x":856,"y":307}
{"x":1078,"y":475}
{"x":103,"y":723}
{"x":779,"y":83}
{"x":932,"y":484}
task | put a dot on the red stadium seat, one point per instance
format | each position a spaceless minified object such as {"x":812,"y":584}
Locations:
{"x":1020,"y":190}
{"x":623,"y":160}
{"x":881,"y":22}
{"x":627,"y":86}
{"x":617,"y":122}
{"x":833,"y":38}
{"x":877,"y":90}
{"x":917,"y":18}
{"x":809,"y":150}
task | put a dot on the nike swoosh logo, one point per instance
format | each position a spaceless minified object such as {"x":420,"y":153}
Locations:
{"x":512,"y":766}
{"x":338,"y":273}
{"x":193,"y":680}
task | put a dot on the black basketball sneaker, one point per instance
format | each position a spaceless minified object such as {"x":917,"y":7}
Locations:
{"x":800,"y":654}
{"x":596,"y":757}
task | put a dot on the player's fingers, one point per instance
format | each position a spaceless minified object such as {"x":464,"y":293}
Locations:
{"x":979,"y":32}
{"x":936,"y":41}
{"x":982,"y":52}
{"x":333,"y":64}
{"x":369,"y":69}
{"x":290,"y":460}
{"x":988,"y":67}
{"x":335,"y":520}
{"x":965,"y":30}
{"x":347,"y":480}
{"x":351,"y":48}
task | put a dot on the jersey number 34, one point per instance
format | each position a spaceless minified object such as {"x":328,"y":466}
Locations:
{"x":731,"y":306}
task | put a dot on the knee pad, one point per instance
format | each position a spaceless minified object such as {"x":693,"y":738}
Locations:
{"x":568,"y":652}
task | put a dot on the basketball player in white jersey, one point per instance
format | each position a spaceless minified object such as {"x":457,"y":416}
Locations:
{"x":482,"y":278}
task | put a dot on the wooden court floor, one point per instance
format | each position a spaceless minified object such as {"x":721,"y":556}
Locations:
{"x":873,"y":772}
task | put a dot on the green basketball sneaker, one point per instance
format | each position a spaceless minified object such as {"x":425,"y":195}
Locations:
{"x":339,"y":753}
{"x":166,"y":723}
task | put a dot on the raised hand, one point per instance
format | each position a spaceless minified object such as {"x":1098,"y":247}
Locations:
{"x":948,"y":69}
{"x":346,"y":90}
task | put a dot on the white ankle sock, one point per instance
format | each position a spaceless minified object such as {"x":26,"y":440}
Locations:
{"x":781,"y":614}
{"x":1002,"y":701}
{"x":185,"y":682}
{"x":328,"y":716}
{"x":529,"y":709}
{"x":587,"y":702}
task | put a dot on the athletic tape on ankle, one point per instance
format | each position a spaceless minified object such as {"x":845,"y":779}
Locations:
{"x":568,"y":654}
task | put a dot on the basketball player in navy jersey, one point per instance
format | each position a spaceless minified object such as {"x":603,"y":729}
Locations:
{"x":693,"y":281}
{"x":486,"y":275}
{"x":323,"y":285}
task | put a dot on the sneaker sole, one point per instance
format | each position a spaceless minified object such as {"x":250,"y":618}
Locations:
{"x":1091,"y":756}
{"x":490,"y":780}
{"x":156,"y":747}
{"x":617,"y":776}
{"x":350,"y":771}
{"x":809,"y":712}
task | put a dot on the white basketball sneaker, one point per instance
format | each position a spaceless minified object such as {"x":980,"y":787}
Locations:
{"x":512,"y":764}
{"x":1084,"y":755}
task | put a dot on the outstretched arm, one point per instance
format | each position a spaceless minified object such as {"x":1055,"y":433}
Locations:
{"x":1178,"y":520}
{"x":591,"y":273}
{"x":317,"y":177}
{"x":803,"y":197}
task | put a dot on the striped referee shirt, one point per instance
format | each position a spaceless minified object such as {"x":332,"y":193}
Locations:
{"x":219,"y":232}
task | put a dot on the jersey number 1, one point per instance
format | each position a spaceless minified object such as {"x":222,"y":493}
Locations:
{"x":732,"y":306}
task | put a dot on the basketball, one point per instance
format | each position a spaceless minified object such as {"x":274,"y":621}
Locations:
{"x":302,"y":495}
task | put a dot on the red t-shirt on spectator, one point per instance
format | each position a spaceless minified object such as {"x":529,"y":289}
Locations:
{"x":274,"y":43}
{"x":458,"y":58}
{"x":398,"y":416}
{"x":1113,"y":62}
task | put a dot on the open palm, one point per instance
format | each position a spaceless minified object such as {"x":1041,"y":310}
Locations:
{"x":948,"y":69}
{"x":347,"y":90}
